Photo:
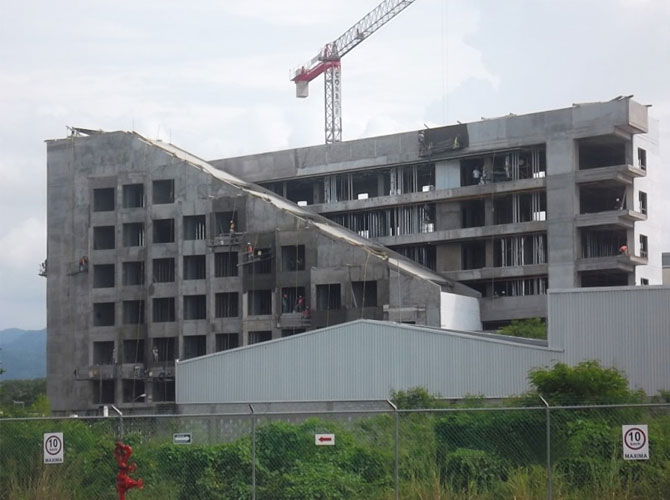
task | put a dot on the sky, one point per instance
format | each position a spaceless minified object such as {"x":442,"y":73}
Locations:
{"x":212,"y":77}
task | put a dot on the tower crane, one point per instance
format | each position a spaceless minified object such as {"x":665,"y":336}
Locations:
{"x":327,"y":61}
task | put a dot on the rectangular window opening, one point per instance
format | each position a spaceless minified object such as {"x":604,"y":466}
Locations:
{"x":103,"y":276}
{"x":642,"y":158}
{"x":133,"y":351}
{"x":163,"y":390}
{"x":328,"y":297}
{"x":163,"y":230}
{"x":103,"y":314}
{"x":195,"y":345}
{"x":195,"y":227}
{"x":225,"y":341}
{"x":163,"y":310}
{"x":642,"y":197}
{"x":133,"y":273}
{"x":644,"y":246}
{"x":227,"y":305}
{"x":260,"y":336}
{"x":103,"y":353}
{"x":133,"y":196}
{"x":364,"y":294}
{"x":133,"y":234}
{"x":195,"y":267}
{"x":103,"y":391}
{"x":259,"y":302}
{"x":133,"y":391}
{"x":103,"y":199}
{"x":195,"y":307}
{"x":293,"y":258}
{"x":103,"y":237}
{"x":163,"y":270}
{"x":164,"y":349}
{"x":163,"y":191}
{"x":133,"y":312}
{"x":225,"y":264}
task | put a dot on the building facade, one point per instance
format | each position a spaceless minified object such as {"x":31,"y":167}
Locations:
{"x":509,"y":206}
{"x":153,"y":256}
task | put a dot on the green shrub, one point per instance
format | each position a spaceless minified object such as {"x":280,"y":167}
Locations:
{"x":531,"y":328}
{"x":466,"y":469}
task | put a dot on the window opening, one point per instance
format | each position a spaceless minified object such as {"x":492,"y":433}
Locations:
{"x":195,"y":345}
{"x":328,"y":297}
{"x":164,"y":349}
{"x":605,"y":151}
{"x":225,"y":264}
{"x":133,"y":312}
{"x":163,"y":191}
{"x":520,"y":250}
{"x":103,"y":353}
{"x":133,"y":351}
{"x":133,"y":391}
{"x":227,"y":223}
{"x":225,"y":341}
{"x":133,"y":196}
{"x":103,"y":314}
{"x":103,"y":237}
{"x":473,"y":254}
{"x":103,"y":276}
{"x":259,"y":302}
{"x":133,"y":273}
{"x":195,"y":307}
{"x":642,"y":158}
{"x":103,"y":391}
{"x":260,"y":336}
{"x":163,"y":270}
{"x":163,"y":309}
{"x":133,"y":234}
{"x":642,"y":197}
{"x":293,"y":258}
{"x":163,"y":390}
{"x":644,"y":248}
{"x":103,"y":199}
{"x":195,"y":227}
{"x":364,"y":293}
{"x":605,"y":243}
{"x":226,"y":305}
{"x":293,"y":299}
{"x":195,"y":267}
{"x":163,"y":230}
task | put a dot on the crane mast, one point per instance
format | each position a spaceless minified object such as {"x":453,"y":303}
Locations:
{"x":327,"y":61}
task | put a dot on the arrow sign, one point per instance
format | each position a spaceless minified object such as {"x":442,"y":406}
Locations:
{"x":324,"y":439}
{"x":182,"y":438}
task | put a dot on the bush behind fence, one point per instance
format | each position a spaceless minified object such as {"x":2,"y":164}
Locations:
{"x":482,"y":453}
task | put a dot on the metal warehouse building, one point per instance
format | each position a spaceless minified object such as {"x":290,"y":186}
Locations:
{"x":363,"y":361}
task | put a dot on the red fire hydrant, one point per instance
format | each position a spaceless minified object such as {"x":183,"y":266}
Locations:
{"x":124,"y":482}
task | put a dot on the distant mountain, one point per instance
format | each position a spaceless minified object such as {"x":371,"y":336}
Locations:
{"x":23,"y":354}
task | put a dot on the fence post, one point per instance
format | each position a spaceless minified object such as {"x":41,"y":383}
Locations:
{"x":549,"y":473}
{"x":396,"y":485}
{"x":253,"y":452}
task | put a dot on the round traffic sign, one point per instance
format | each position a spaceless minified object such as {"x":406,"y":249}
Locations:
{"x":53,"y":445}
{"x":635,"y":438}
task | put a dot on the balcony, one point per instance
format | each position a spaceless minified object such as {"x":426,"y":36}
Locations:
{"x":619,"y":262}
{"x":621,"y":218}
{"x":624,"y":173}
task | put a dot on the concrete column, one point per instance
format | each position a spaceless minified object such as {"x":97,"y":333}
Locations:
{"x":562,"y":206}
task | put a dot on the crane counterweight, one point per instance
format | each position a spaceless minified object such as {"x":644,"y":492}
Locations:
{"x":328,"y":59}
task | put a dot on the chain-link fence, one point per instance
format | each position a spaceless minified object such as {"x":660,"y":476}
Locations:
{"x":455,"y":453}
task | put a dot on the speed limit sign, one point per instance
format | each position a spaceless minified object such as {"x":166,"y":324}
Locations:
{"x":53,"y":447}
{"x":635,"y":442}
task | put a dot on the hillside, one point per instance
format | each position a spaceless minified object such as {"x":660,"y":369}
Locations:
{"x":23,"y":354}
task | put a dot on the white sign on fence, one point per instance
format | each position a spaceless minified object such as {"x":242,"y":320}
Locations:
{"x":182,"y":438}
{"x":53,"y":448}
{"x":324,"y":439}
{"x":635,"y":442}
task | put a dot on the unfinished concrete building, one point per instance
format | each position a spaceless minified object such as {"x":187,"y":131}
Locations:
{"x":153,"y":255}
{"x":509,"y":206}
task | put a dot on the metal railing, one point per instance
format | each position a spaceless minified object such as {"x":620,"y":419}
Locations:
{"x":456,"y":452}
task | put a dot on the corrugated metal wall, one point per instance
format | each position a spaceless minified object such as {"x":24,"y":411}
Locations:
{"x":626,"y":327}
{"x":365,"y":360}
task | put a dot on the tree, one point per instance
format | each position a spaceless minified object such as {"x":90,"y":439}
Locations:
{"x":586,"y":383}
{"x":531,"y":328}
